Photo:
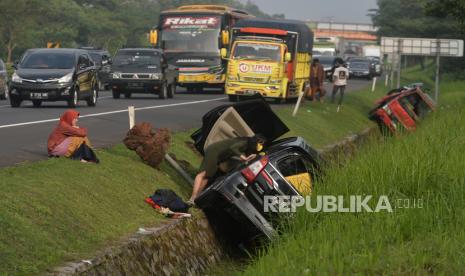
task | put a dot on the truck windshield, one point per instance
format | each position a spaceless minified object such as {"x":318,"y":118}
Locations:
{"x":191,"y":33}
{"x":48,"y":61}
{"x":137,"y":58}
{"x":256,"y":51}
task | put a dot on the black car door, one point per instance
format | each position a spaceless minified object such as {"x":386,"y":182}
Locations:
{"x":84,"y":74}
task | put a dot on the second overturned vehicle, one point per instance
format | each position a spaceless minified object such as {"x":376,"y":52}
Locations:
{"x":236,"y":200}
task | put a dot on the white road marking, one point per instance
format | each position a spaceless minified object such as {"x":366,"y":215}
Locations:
{"x":112,"y":112}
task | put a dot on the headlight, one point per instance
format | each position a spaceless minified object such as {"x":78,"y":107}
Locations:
{"x":66,"y":78}
{"x":272,"y":87}
{"x":275,"y":81}
{"x":16,"y":78}
{"x":155,"y":76}
{"x":366,"y":72}
{"x":116,"y":75}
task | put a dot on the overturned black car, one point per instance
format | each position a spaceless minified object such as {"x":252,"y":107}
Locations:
{"x":236,"y":201}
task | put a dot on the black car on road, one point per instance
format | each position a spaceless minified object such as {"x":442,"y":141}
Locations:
{"x":361,"y":68}
{"x":235,"y":202}
{"x":142,"y":70}
{"x":329,"y":64}
{"x":102,"y":60}
{"x":54,"y":75}
{"x":3,"y":81}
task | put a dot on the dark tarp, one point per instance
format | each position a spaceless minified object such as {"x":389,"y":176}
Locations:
{"x":305,"y":34}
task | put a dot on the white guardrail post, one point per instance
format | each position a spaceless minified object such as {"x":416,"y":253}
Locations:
{"x":132,"y":116}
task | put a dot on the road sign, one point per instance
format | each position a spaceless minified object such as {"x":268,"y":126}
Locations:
{"x":422,"y":46}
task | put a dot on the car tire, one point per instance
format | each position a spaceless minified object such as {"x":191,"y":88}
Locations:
{"x":73,"y":102}
{"x":163,"y":93}
{"x":171,"y":89}
{"x":116,"y":94}
{"x":36,"y":103}
{"x":15,"y":101}
{"x":233,"y":98}
{"x":127,"y":95}
{"x":92,"y":100}
{"x":4,"y":96}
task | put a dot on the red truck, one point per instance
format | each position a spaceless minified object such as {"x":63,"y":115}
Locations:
{"x":401,"y":109}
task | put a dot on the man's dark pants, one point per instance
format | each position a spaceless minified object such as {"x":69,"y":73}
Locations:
{"x":341,"y":89}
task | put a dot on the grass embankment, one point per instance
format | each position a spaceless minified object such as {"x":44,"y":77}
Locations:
{"x":428,"y":166}
{"x":59,"y":210}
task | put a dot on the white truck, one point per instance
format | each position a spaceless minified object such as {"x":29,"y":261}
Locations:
{"x":371,"y":51}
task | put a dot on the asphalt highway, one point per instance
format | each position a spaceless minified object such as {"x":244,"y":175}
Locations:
{"x":24,"y":131}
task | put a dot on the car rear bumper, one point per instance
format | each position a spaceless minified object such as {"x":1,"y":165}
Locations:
{"x":229,"y":195}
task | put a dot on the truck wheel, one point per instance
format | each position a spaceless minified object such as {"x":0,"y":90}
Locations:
{"x":233,"y":98}
{"x":73,"y":102}
{"x":278,"y":100}
{"x":171,"y":90}
{"x":92,"y":100}
{"x":163,"y":93}
{"x":36,"y":103}
{"x":116,"y":94}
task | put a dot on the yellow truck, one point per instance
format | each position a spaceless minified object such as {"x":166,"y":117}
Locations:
{"x":268,"y":57}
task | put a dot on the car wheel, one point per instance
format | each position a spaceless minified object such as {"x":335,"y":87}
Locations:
{"x":171,"y":89}
{"x":15,"y":101}
{"x":101,"y":87}
{"x":233,"y":98}
{"x":73,"y":102}
{"x":4,"y":96}
{"x":36,"y":103}
{"x":127,"y":95}
{"x":163,"y":93}
{"x":92,"y":100}
{"x":116,"y":94}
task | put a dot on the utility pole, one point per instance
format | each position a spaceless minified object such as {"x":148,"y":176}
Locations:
{"x":438,"y":57}
{"x":399,"y":61}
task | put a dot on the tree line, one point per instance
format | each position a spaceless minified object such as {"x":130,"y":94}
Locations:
{"x":110,"y":24}
{"x":424,"y":18}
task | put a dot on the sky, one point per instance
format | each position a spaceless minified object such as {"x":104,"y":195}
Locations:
{"x":344,"y":11}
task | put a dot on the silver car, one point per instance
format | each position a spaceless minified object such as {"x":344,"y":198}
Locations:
{"x":3,"y":81}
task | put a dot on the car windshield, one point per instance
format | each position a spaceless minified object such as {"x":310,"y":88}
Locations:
{"x":256,"y":51}
{"x":48,"y":61}
{"x":96,"y":57}
{"x":328,"y":61}
{"x":191,"y":34}
{"x":137,"y":58}
{"x":360,"y":64}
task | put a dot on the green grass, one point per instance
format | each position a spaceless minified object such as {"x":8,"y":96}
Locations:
{"x":60,"y":210}
{"x":426,"y":165}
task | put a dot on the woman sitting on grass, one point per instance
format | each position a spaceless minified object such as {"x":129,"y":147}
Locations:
{"x":69,"y":140}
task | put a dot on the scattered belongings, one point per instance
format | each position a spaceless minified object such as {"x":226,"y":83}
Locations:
{"x":168,"y":203}
{"x":401,"y":109}
{"x":150,"y":145}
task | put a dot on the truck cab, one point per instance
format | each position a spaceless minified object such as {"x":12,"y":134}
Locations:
{"x":268,"y":57}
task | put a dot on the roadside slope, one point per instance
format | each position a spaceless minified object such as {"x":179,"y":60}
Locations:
{"x":426,"y":165}
{"x":59,"y":210}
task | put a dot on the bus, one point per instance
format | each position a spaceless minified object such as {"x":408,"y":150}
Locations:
{"x":191,"y":38}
